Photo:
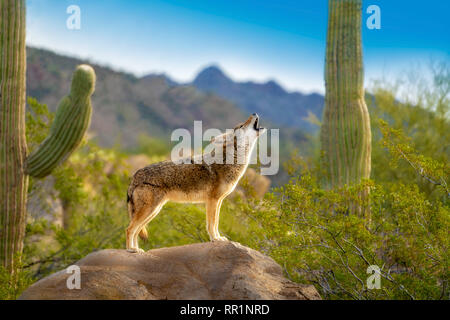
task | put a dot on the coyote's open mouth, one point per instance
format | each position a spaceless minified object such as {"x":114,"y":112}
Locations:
{"x":256,"y":124}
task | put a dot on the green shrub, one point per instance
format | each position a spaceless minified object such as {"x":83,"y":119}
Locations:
{"x":308,"y":231}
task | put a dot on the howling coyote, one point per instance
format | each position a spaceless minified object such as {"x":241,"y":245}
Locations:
{"x":204,"y":180}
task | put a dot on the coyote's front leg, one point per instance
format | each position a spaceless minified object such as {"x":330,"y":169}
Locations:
{"x":212,"y":220}
{"x":132,"y":245}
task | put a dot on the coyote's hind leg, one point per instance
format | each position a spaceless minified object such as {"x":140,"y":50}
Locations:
{"x":147,"y":204}
{"x":142,"y":223}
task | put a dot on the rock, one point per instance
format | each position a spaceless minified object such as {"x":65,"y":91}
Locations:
{"x":252,"y":184}
{"x":213,"y":270}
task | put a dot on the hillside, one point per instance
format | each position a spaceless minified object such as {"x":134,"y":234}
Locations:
{"x":125,"y":106}
{"x":269,"y":99}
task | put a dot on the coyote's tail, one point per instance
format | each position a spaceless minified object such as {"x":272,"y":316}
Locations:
{"x":143,"y":233}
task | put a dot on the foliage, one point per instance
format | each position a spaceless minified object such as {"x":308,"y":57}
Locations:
{"x":303,"y":227}
{"x":431,"y":170}
{"x":12,"y":285}
{"x":417,"y":104}
{"x":38,"y":119}
{"x":151,"y":146}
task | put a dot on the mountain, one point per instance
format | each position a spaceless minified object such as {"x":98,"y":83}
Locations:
{"x":125,"y":106}
{"x":269,"y":100}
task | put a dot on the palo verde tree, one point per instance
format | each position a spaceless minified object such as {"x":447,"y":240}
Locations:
{"x":67,"y":130}
{"x":345,"y":131}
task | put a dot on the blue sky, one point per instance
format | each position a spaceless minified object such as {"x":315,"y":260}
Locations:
{"x":255,"y":40}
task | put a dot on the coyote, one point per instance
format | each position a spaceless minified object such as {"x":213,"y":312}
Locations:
{"x":192,"y":181}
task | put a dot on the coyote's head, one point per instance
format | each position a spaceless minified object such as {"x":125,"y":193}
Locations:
{"x":241,"y":140}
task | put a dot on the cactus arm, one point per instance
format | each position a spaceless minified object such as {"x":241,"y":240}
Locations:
{"x":69,"y":126}
{"x":345,"y":133}
{"x":13,"y":180}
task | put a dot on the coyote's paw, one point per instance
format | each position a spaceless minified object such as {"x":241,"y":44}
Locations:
{"x":135,"y":250}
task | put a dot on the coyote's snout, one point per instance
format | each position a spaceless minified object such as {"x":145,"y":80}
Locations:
{"x":203,"y":181}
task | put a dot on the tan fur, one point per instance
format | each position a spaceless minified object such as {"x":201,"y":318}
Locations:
{"x":154,"y":185}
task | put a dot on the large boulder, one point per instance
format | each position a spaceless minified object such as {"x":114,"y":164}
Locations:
{"x":213,"y":270}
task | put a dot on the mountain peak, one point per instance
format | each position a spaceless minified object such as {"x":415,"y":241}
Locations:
{"x":213,"y":70}
{"x":211,"y":75}
{"x":273,"y":87}
{"x":269,"y":99}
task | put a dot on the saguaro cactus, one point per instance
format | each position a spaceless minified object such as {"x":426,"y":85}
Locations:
{"x":67,"y":131}
{"x":70,"y":124}
{"x":345,"y":132}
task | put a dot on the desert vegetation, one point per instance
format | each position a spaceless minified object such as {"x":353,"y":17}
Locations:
{"x":306,"y":221}
{"x":81,"y":207}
